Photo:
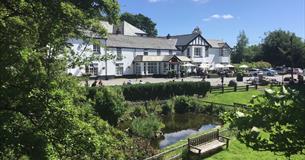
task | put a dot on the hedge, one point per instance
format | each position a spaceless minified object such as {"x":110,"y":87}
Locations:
{"x":162,"y":91}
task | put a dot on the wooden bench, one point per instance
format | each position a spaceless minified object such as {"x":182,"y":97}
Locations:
{"x":207,"y":142}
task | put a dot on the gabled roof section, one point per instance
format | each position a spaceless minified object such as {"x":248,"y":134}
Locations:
{"x":130,"y":28}
{"x":218,"y":43}
{"x":124,"y":41}
{"x":183,"y":40}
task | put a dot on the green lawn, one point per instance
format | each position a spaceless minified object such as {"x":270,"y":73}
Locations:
{"x":231,"y":97}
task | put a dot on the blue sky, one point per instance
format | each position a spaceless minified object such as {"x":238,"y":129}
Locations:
{"x":222,"y":19}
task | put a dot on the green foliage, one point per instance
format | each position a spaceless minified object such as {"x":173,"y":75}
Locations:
{"x":147,"y":127}
{"x":242,"y":42}
{"x":258,"y":64}
{"x":109,"y":104}
{"x":285,"y":46}
{"x":163,"y":90}
{"x":142,"y":22}
{"x":275,"y":122}
{"x":43,"y":112}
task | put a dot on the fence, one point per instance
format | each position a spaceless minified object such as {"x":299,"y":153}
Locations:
{"x":223,"y":89}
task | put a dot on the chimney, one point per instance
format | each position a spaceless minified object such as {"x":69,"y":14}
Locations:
{"x":168,"y":36}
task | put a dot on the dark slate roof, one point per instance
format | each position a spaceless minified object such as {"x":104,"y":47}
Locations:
{"x":183,"y":40}
{"x":124,"y":41}
{"x":164,"y":58}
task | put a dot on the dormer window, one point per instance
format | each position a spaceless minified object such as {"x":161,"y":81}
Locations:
{"x":145,"y":52}
{"x":221,"y":52}
{"x":158,"y":52}
{"x":170,"y":52}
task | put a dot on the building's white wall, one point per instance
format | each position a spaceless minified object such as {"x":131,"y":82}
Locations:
{"x":79,"y":46}
{"x":215,"y":58}
{"x":197,"y":59}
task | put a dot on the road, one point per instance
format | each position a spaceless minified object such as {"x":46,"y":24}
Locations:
{"x":213,"y":81}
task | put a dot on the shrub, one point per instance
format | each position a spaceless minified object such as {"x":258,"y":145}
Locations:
{"x":109,"y":104}
{"x":163,"y":90}
{"x":139,"y":111}
{"x":147,"y":127}
{"x":232,"y":83}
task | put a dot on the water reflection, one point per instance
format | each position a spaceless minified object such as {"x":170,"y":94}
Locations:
{"x":180,"y":126}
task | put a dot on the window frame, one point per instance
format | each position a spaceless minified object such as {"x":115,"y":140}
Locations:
{"x":196,"y":53}
{"x":119,"y":55}
{"x":96,"y":49}
{"x":145,"y":52}
{"x":119,"y":69}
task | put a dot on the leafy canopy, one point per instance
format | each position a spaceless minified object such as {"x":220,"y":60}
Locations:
{"x":142,"y":22}
{"x":43,"y":112}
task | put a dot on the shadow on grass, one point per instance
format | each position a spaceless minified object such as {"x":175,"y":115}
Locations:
{"x":192,"y":156}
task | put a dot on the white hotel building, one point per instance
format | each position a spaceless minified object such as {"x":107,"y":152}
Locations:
{"x":139,"y":55}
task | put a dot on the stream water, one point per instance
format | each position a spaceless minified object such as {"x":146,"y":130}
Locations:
{"x":180,"y":126}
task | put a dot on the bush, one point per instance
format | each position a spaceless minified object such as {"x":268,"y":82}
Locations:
{"x":232,"y":83}
{"x":147,"y":127}
{"x":164,"y":90}
{"x":109,"y":104}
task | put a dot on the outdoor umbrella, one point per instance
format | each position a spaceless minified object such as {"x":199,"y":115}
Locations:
{"x":243,"y":66}
{"x":219,"y":66}
{"x":188,"y":65}
{"x":229,"y":66}
{"x":204,"y":66}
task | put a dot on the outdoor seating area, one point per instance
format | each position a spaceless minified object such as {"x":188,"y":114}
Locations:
{"x":207,"y":142}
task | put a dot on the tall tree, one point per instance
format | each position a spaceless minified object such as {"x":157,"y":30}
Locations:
{"x":283,"y":48}
{"x":240,"y":48}
{"x":43,"y":113}
{"x":142,"y":22}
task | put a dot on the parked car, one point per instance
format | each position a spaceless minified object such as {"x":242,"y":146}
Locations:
{"x":287,"y":80}
{"x":281,"y":70}
{"x":255,"y":72}
{"x":297,"y":71}
{"x":269,"y":72}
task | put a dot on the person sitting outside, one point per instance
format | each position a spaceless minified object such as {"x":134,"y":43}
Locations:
{"x":94,"y":83}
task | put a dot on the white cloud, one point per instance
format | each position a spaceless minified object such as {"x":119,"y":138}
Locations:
{"x":227,"y":16}
{"x":217,"y":16}
{"x":201,"y":1}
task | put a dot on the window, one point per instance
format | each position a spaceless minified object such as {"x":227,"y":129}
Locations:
{"x":188,"y":52}
{"x":119,"y":56}
{"x":119,"y":68}
{"x":138,"y":68}
{"x":145,"y":52}
{"x":221,"y":52}
{"x":198,"y":52}
{"x":170,"y":52}
{"x":152,"y":68}
{"x":92,"y":69}
{"x":206,"y":52}
{"x":158,"y":52}
{"x":96,"y":49}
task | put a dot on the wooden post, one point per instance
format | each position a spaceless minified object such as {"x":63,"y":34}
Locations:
{"x":247,"y":87}
{"x":235,"y":88}
{"x":256,"y":86}
{"x":222,"y":89}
